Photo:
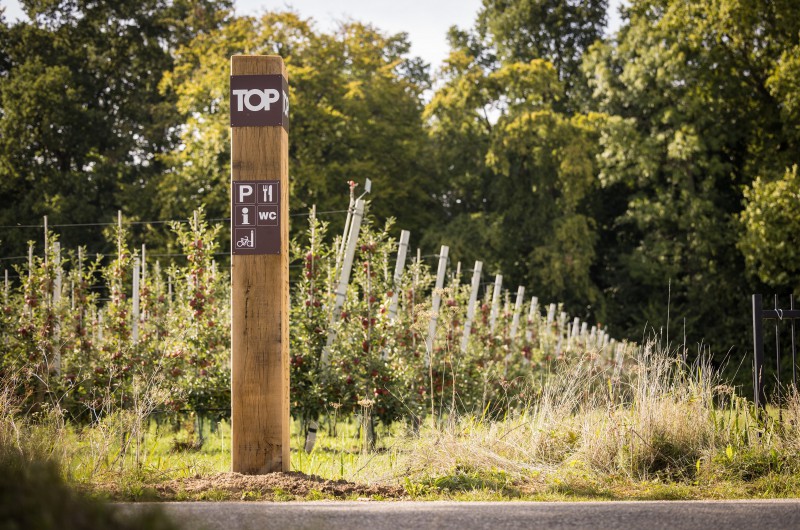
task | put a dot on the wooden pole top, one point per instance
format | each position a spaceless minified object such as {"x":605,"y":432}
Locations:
{"x":258,"y":65}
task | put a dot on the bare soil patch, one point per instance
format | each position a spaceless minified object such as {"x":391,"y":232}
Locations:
{"x":272,"y":486}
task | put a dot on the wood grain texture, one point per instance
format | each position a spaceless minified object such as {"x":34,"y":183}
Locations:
{"x":260,"y":304}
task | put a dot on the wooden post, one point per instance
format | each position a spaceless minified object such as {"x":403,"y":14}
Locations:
{"x":59,"y":279}
{"x":551,"y":314}
{"x":46,"y":241}
{"x":143,"y":277}
{"x":119,"y":234}
{"x":80,"y":277}
{"x":259,"y":269}
{"x":573,"y":334}
{"x":144,"y":262}
{"x":351,"y":209}
{"x":534,"y":310}
{"x":28,"y":308}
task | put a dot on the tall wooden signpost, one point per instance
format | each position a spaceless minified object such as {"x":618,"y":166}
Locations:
{"x":259,"y":265}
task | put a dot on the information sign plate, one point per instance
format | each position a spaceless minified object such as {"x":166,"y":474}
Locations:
{"x":256,"y":217}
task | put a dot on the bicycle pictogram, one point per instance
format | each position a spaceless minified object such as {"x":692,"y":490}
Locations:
{"x":247,"y":241}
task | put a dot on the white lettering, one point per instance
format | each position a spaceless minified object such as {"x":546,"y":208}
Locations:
{"x":271,"y":96}
{"x":245,"y":190}
{"x":285,"y":105}
{"x":239,"y":97}
{"x":249,"y":104}
{"x":265,"y":97}
{"x":267,"y":216}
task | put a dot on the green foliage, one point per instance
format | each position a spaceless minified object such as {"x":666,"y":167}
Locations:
{"x":356,"y":100}
{"x":617,"y":175}
{"x":530,"y":169}
{"x":309,"y":317}
{"x":690,"y":123}
{"x":628,"y":177}
{"x":365,"y":362}
{"x":771,"y":220}
{"x":74,"y":340}
{"x":559,"y":31}
{"x":749,"y":463}
{"x":464,"y":479}
{"x":82,"y":121}
{"x":633,"y":442}
{"x":74,"y":349}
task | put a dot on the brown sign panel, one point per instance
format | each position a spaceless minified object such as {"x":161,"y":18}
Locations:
{"x":259,"y":101}
{"x":256,"y":217}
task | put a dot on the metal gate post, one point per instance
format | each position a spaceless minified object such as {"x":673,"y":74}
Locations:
{"x":758,"y":348}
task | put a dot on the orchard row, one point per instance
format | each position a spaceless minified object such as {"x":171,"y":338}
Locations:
{"x":371,"y":331}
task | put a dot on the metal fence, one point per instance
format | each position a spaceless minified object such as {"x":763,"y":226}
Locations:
{"x":782,"y":318}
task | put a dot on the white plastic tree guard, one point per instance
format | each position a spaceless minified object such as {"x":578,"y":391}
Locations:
{"x":472,"y":305}
{"x":436,"y":300}
{"x":402,"y":250}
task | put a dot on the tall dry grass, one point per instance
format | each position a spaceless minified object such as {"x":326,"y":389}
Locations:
{"x":109,"y":447}
{"x":657,"y":418}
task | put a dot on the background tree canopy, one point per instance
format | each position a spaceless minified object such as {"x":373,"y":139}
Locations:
{"x":356,"y":104}
{"x":626,"y":175}
{"x":82,"y":120}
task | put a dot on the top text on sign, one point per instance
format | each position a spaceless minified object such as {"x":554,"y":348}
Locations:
{"x":259,"y":101}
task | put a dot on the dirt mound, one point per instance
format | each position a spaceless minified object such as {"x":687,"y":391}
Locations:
{"x":272,"y":486}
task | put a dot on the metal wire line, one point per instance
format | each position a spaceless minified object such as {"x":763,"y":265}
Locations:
{"x":156,"y":222}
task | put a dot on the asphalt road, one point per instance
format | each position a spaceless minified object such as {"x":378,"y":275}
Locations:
{"x":327,"y":515}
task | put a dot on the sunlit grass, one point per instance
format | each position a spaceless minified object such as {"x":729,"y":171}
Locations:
{"x":664,"y":430}
{"x":172,"y":450}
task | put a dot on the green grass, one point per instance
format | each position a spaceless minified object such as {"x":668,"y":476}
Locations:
{"x":744,"y":473}
{"x":668,"y":432}
{"x":168,"y":452}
